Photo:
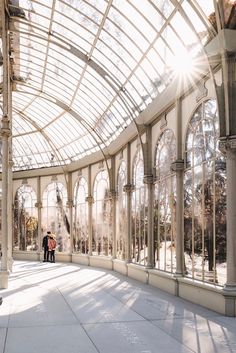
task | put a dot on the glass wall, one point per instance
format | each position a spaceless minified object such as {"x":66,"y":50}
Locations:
{"x":102,"y":216}
{"x":164,"y":203}
{"x":80,"y":217}
{"x":0,"y":218}
{"x":205,"y":198}
{"x":139,"y":213}
{"x":25,"y":220}
{"x":55,"y":216}
{"x":121,"y":213}
{"x":204,"y":207}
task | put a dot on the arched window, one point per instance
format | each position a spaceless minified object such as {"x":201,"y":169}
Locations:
{"x":80,"y":217}
{"x":0,"y":217}
{"x":164,"y":203}
{"x":121,"y":228}
{"x":205,"y":198}
{"x":54,"y":215}
{"x":139,"y":213}
{"x":102,"y":220}
{"x":25,"y":225}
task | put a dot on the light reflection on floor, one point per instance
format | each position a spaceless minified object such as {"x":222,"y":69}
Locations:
{"x":68,"y":308}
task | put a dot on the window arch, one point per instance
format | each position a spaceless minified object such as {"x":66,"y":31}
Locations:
{"x":55,"y":214}
{"x":121,"y":228}
{"x":25,"y":229}
{"x":80,"y":217}
{"x":165,"y":203}
{"x":139,"y":212}
{"x":205,"y":198}
{"x":102,"y":216}
{"x":0,"y":216}
{"x":165,"y":153}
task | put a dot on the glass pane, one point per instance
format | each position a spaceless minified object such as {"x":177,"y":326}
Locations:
{"x":55,"y":215}
{"x":102,"y":216}
{"x":220,"y":220}
{"x":205,"y":220}
{"x":121,"y":221}
{"x":165,"y":6}
{"x":165,"y":153}
{"x":84,"y":56}
{"x":196,"y":21}
{"x":80,"y":217}
{"x":25,"y":219}
{"x":139,"y":213}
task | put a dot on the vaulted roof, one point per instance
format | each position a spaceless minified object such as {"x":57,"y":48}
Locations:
{"x":82,"y":71}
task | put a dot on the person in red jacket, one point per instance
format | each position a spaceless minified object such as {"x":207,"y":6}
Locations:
{"x":51,"y":247}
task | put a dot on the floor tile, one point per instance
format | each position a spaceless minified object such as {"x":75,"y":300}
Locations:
{"x":49,"y":339}
{"x":133,"y":337}
{"x":68,"y":308}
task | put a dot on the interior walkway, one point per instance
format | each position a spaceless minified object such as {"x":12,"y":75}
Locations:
{"x":67,"y":308}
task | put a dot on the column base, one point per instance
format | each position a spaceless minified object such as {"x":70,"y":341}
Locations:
{"x":179,"y":274}
{"x":4,"y":275}
{"x":230,"y":299}
{"x":230,"y":287}
{"x":10,"y":263}
{"x":149,"y":266}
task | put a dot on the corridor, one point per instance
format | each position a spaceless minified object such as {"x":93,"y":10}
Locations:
{"x":68,"y":308}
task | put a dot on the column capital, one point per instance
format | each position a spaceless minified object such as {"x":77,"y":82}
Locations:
{"x":38,"y":204}
{"x":11,"y":163}
{"x":113,"y":194}
{"x":5,"y":132}
{"x":227,"y":143}
{"x":69,"y":203}
{"x":129,"y":188}
{"x":177,"y":165}
{"x":148,"y":179}
{"x":89,"y":199}
{"x":5,"y":129}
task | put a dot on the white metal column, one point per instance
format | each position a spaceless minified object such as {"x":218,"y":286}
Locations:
{"x":5,"y":135}
{"x":178,"y":168}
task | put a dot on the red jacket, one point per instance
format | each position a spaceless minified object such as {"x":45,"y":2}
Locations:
{"x":51,"y":244}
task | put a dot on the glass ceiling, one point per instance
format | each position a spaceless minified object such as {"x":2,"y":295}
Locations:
{"x":84,"y":70}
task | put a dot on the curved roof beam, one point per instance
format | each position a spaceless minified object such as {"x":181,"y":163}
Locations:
{"x":97,"y":138}
{"x":116,"y":86}
{"x":37,"y":128}
{"x":121,"y":92}
{"x":111,"y":81}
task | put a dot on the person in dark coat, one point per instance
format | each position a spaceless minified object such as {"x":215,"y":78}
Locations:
{"x":45,"y":247}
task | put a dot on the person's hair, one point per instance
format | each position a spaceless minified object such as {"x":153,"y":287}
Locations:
{"x":48,"y":232}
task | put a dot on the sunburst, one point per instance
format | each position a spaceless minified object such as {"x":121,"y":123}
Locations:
{"x":187,"y":68}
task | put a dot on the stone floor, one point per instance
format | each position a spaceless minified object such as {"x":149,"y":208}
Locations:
{"x":67,"y":308}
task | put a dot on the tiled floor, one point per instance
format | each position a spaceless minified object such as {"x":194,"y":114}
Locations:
{"x":67,"y":308}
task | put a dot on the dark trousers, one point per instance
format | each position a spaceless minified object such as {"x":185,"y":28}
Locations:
{"x":46,"y":255}
{"x":52,"y":256}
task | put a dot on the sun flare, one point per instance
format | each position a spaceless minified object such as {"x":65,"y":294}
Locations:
{"x":187,"y":68}
{"x":182,"y":64}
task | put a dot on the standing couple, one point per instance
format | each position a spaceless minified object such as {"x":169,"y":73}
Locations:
{"x":49,"y":246}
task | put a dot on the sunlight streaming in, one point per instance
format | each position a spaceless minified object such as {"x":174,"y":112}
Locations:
{"x":182,"y":64}
{"x":186,"y":68}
